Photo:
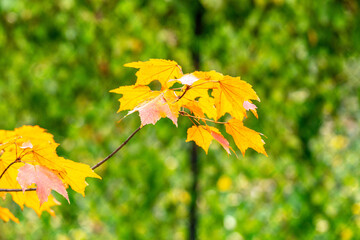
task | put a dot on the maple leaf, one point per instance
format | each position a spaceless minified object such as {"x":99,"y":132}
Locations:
{"x":203,"y":135}
{"x":156,"y":69}
{"x":230,"y":96}
{"x":208,"y":76}
{"x":133,"y":96}
{"x":45,"y":180}
{"x":155,"y":109}
{"x":201,"y":107}
{"x":75,"y":174}
{"x":6,"y":215}
{"x":33,"y":145}
{"x":245,"y":137}
{"x":215,"y":133}
{"x":31,"y":200}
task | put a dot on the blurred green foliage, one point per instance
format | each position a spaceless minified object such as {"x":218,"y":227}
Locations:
{"x":59,"y":60}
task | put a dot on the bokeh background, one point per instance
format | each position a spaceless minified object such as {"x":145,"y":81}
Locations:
{"x":59,"y":59}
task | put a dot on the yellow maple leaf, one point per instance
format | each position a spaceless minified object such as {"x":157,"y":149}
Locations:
{"x":203,"y":135}
{"x":34,"y":146}
{"x":245,"y":137}
{"x":201,"y":107}
{"x":75,"y":174}
{"x":31,"y":200}
{"x":230,"y":96}
{"x":133,"y":95}
{"x":156,"y":69}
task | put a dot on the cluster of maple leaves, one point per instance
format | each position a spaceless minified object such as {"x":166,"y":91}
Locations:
{"x":28,"y":156}
{"x":27,"y":159}
{"x":203,"y":97}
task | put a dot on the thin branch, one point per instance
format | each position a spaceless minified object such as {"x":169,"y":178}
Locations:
{"x":116,"y":150}
{"x":16,"y":190}
{"x":185,"y":91}
{"x":93,"y":167}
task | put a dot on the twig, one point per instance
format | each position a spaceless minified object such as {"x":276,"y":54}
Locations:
{"x":16,"y":190}
{"x":116,"y":150}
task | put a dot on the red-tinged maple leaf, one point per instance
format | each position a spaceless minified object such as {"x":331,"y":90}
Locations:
{"x":245,"y":137}
{"x":152,"y":111}
{"x":6,"y":215}
{"x":44,"y":179}
{"x":220,"y":139}
{"x":203,"y":135}
{"x":156,"y":69}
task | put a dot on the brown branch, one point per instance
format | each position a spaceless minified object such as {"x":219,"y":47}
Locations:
{"x":93,"y":167}
{"x":116,"y":150}
{"x":16,"y":190}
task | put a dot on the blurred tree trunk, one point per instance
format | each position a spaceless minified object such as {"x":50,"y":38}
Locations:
{"x":198,"y":12}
